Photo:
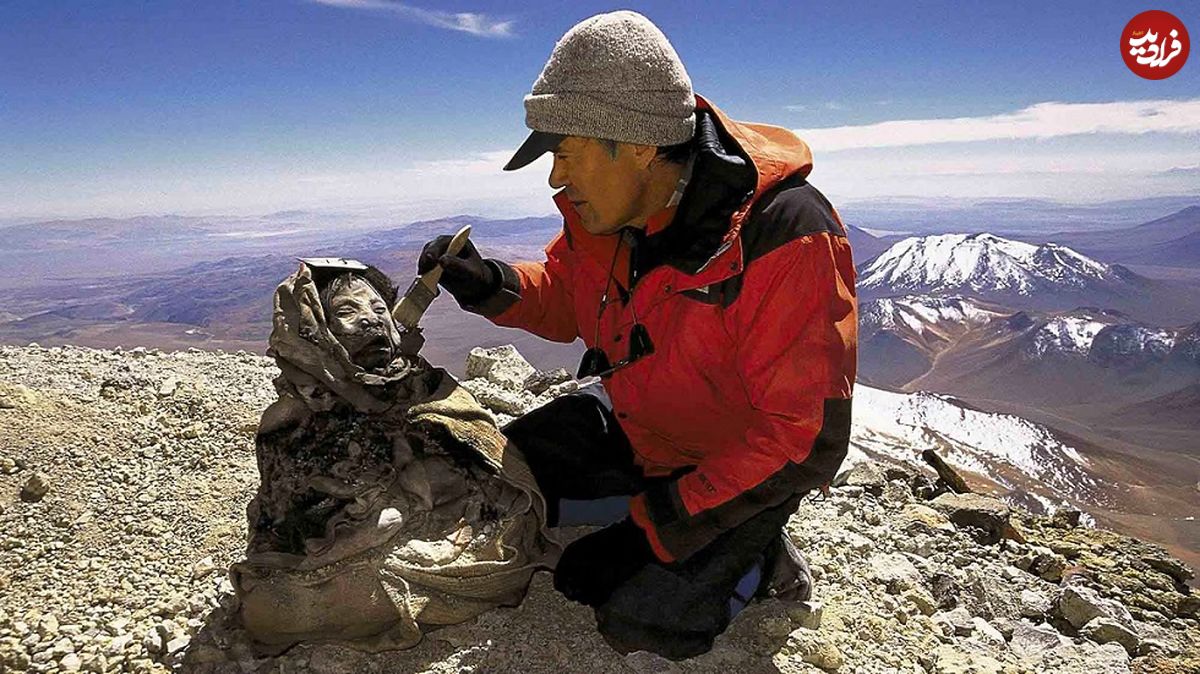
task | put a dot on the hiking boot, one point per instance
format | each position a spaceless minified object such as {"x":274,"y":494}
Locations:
{"x":785,"y":572}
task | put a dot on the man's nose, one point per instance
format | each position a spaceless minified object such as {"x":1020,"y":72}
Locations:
{"x":369,"y":321}
{"x":558,"y":175}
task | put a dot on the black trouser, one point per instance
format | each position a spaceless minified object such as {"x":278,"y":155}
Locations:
{"x":577,"y":450}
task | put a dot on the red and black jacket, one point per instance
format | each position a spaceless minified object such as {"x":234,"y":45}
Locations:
{"x":748,"y":295}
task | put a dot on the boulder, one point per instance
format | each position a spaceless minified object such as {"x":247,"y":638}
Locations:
{"x":959,"y":621}
{"x":1035,"y":604}
{"x":13,"y":396}
{"x":986,"y":516}
{"x":1078,"y":605}
{"x":1065,"y":518}
{"x":539,"y":382}
{"x":1085,"y":658}
{"x":501,"y":365}
{"x":1174,"y":568}
{"x":498,"y":398}
{"x":807,"y":614}
{"x":813,"y":647}
{"x":894,"y":571}
{"x":1103,"y":630}
{"x":1029,"y":641}
{"x":986,"y":631}
{"x":989,"y":595}
{"x":951,"y":660}
{"x":921,"y":600}
{"x":867,"y":475}
{"x":920,"y":517}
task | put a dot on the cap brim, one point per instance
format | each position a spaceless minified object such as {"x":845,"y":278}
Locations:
{"x":538,"y":143}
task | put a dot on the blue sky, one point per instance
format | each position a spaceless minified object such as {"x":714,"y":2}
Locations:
{"x":119,"y":107}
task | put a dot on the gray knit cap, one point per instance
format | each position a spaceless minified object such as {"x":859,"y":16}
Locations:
{"x":612,"y":76}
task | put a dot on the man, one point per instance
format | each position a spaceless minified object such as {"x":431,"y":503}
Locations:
{"x":714,"y":288}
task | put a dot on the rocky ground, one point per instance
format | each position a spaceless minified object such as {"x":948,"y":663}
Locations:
{"x":124,"y":478}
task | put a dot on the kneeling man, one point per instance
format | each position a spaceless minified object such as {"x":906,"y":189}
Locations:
{"x":714,"y":288}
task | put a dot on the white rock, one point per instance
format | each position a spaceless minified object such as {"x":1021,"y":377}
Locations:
{"x":47,"y":627}
{"x":1035,"y":604}
{"x":501,"y":365}
{"x":178,"y":643}
{"x":168,"y":387}
{"x":1079,"y":604}
{"x":499,"y":399}
{"x":1085,"y":658}
{"x":1103,"y":630}
{"x":813,"y":647}
{"x":203,"y":567}
{"x":951,"y":660}
{"x":71,"y":663}
{"x":988,"y":633}
{"x":118,"y":644}
{"x":1030,"y":642}
{"x":895,"y":571}
{"x":958,"y":619}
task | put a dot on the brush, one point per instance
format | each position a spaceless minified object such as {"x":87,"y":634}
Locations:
{"x":424,"y":288}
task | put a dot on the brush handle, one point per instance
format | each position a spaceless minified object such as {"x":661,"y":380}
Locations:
{"x":412,"y":306}
{"x":431,"y":277}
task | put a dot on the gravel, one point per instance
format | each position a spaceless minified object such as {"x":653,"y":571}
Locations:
{"x":144,"y":462}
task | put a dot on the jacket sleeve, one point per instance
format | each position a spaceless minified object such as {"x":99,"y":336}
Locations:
{"x":796,"y":330}
{"x":534,"y":296}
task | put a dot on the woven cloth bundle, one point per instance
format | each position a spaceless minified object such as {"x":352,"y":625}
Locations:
{"x":389,"y":500}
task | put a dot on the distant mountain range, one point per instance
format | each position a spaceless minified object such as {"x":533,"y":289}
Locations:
{"x":1039,"y":330}
{"x":1010,"y":217}
{"x":225,"y":303}
{"x":1171,"y":241}
{"x":981,"y":349}
{"x":1021,"y":275}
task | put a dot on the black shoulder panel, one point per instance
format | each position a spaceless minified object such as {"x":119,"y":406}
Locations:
{"x":786,"y":212}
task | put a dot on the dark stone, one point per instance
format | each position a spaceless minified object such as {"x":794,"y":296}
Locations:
{"x":1065,"y":518}
{"x":945,"y":590}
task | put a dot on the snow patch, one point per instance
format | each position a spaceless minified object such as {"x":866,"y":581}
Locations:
{"x":1003,"y":446}
{"x":918,"y":312}
{"x":1066,"y":334}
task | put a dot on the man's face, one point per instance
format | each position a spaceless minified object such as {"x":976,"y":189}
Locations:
{"x":605,"y":190}
{"x":360,"y":320}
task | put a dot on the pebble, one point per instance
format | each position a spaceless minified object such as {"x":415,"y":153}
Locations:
{"x":35,"y":488}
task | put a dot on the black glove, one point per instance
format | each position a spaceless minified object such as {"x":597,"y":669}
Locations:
{"x":466,"y":275}
{"x":594,"y":566}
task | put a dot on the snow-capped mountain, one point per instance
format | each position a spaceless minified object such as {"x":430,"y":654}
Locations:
{"x":983,"y":263}
{"x":900,"y":337}
{"x":924,"y":314}
{"x":1039,"y":469}
{"x":1109,"y":339}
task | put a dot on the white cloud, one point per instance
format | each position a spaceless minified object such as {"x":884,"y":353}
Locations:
{"x":466,"y":22}
{"x":1193,"y":170}
{"x":828,"y":105}
{"x":1039,"y":121}
{"x":479,"y":163}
